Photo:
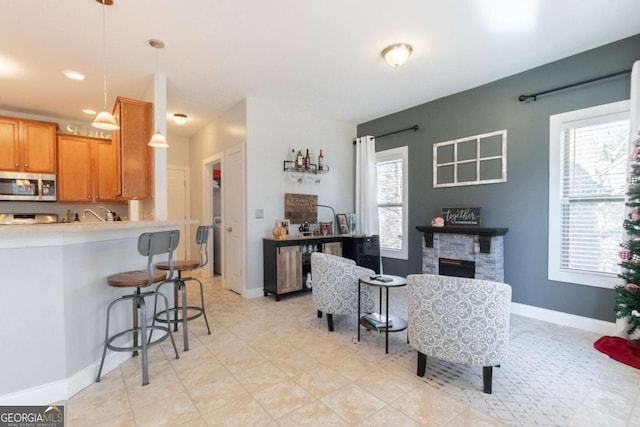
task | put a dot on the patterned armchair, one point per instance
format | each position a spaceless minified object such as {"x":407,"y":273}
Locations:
{"x":459,"y":320}
{"x":335,"y":286}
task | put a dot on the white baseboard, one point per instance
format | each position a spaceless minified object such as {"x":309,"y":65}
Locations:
{"x":46,"y":394}
{"x":253,"y":293}
{"x":564,"y":319}
{"x":87,"y":376}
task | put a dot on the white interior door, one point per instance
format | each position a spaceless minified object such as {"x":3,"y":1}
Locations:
{"x":233,"y":218}
{"x":178,"y":205}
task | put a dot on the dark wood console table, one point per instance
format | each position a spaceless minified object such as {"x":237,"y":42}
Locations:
{"x":287,"y":262}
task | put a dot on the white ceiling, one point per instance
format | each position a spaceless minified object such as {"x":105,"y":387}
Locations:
{"x":315,"y":54}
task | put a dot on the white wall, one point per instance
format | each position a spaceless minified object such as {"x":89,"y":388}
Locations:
{"x":225,"y":131}
{"x":272,"y":131}
{"x":178,"y":151}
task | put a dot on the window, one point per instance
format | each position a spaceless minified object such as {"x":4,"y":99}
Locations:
{"x":474,"y":160}
{"x":392,"y":190}
{"x":587,"y":184}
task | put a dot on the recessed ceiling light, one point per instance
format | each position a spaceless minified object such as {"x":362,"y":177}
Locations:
{"x":89,"y":111}
{"x":74,"y":75}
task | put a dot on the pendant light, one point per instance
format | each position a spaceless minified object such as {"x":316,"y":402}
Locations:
{"x":157,"y":140}
{"x":104,"y":119}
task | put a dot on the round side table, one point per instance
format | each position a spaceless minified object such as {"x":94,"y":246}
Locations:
{"x":377,"y":321}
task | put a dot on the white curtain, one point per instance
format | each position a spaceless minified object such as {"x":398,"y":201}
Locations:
{"x":635,"y":101}
{"x":634,"y":127}
{"x":366,"y":184}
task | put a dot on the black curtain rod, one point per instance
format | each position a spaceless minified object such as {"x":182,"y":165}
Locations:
{"x":413,"y":128}
{"x":523,"y":98}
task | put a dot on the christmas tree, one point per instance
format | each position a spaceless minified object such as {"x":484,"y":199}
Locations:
{"x":628,"y":294}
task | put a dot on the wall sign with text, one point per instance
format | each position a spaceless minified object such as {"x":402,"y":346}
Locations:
{"x":461,"y":216}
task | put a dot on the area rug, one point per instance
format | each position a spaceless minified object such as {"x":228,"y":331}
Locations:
{"x":543,"y":382}
{"x":619,"y":349}
{"x":546,"y":377}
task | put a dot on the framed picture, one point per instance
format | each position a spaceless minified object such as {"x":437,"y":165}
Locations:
{"x":284,"y":223}
{"x":343,"y":223}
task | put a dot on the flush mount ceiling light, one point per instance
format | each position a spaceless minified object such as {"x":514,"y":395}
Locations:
{"x":180,"y":118}
{"x":157,"y":140}
{"x":397,"y":54}
{"x":104,"y":119}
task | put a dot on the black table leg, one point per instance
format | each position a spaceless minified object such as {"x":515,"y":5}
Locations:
{"x":386,"y":332}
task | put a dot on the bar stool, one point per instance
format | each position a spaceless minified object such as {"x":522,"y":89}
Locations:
{"x":149,"y":245}
{"x":181,"y":312}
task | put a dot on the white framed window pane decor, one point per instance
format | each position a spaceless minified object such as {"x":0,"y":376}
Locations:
{"x":473,"y":160}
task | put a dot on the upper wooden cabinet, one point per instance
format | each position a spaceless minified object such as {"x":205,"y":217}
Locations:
{"x":87,"y":171}
{"x":27,"y":145}
{"x":134,"y":165}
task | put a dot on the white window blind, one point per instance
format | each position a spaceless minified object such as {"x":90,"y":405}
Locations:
{"x":391,"y":200}
{"x":588,"y":169}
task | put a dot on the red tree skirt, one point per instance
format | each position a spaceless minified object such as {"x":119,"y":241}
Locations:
{"x":619,"y":349}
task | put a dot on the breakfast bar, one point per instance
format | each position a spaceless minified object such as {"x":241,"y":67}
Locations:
{"x":53,"y":302}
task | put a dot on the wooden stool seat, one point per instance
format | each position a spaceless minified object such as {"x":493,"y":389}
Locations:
{"x":133,"y":279}
{"x":182,"y":265}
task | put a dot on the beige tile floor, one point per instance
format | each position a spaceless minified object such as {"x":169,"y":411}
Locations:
{"x":270,"y":363}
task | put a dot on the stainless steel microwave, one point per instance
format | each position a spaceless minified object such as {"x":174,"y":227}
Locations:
{"x":39,"y":187}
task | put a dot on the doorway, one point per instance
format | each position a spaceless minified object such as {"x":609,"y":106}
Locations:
{"x":216,"y":212}
{"x":231,"y":222}
{"x":212,"y":211}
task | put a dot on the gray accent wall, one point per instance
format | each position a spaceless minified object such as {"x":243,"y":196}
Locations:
{"x":521,"y":204}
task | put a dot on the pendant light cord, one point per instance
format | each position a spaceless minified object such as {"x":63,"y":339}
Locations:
{"x":155,"y":89}
{"x":104,"y":53}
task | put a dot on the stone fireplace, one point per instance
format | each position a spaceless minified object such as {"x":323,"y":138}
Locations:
{"x":456,"y":250}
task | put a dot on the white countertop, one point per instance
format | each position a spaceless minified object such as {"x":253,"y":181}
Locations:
{"x":34,"y":235}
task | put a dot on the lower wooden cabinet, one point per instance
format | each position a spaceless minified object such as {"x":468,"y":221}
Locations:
{"x":288,"y":269}
{"x":87,"y":169}
{"x":333,"y":248}
{"x":287,"y":263}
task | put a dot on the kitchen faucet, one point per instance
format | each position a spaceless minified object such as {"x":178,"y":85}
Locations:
{"x":84,"y":215}
{"x":109,"y":213}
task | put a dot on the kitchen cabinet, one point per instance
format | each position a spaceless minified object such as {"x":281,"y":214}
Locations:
{"x":87,"y":169}
{"x":27,"y":145}
{"x":287,"y":263}
{"x":134,"y":163}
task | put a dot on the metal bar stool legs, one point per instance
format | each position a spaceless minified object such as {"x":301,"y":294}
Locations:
{"x":180,"y":313}
{"x":139,"y":331}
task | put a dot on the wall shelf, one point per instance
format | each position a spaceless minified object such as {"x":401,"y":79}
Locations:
{"x":290,"y":166}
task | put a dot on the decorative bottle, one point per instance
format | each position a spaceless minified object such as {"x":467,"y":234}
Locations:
{"x":299,"y":160}
{"x":320,"y":161}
